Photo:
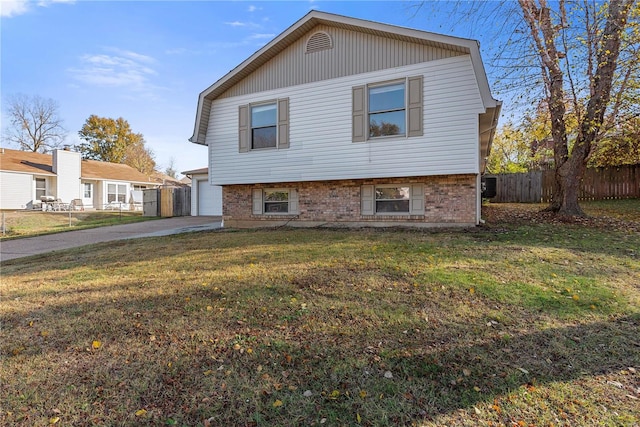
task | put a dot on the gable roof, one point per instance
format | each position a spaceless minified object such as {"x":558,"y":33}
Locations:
{"x":26,"y":161}
{"x":42,"y":164}
{"x":314,"y":18}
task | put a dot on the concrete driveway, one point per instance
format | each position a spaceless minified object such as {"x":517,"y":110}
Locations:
{"x":19,"y":248}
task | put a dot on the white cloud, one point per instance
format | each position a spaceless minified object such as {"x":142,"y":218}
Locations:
{"x":9,"y":8}
{"x":253,"y":8}
{"x":261,"y":36}
{"x":236,"y":24}
{"x":46,"y":3}
{"x":246,"y":24}
{"x":117,"y":68}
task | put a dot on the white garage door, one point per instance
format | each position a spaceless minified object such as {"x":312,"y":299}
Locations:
{"x":209,"y":199}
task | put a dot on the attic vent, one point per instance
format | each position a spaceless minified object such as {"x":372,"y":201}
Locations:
{"x":318,"y":41}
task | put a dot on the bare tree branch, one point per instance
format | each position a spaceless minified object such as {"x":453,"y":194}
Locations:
{"x":35,"y":124}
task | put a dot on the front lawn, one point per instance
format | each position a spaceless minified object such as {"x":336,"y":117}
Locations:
{"x":516,"y":323}
{"x":35,"y":223}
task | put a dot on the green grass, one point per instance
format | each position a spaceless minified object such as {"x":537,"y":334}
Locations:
{"x":34,"y":223}
{"x":507,"y":324}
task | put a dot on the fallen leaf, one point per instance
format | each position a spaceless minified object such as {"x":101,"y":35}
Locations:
{"x":54,"y":420}
{"x":96,"y":344}
{"x":277,"y":403}
{"x":388,"y":374}
{"x":466,"y":372}
{"x":307,"y":393}
{"x":524,"y":371}
{"x":141,"y":412}
{"x":358,"y":418}
{"x":363,"y":394}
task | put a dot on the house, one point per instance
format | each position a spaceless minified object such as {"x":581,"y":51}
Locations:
{"x":164,"y":180}
{"x":27,"y":177}
{"x":206,"y":199}
{"x":341,"y":121}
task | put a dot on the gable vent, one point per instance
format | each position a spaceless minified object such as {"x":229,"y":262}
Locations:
{"x":318,"y":41}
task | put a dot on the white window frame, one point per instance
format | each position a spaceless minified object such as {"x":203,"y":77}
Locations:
{"x":117,"y":193}
{"x":87,"y":186}
{"x":273,"y":102}
{"x":402,"y":82}
{"x":413,"y":109}
{"x":368,"y":206}
{"x":259,"y":202}
{"x":376,"y":200}
{"x":36,"y":180}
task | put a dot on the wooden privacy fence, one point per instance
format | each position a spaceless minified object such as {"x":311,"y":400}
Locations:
{"x":167,"y":202}
{"x":621,"y":182}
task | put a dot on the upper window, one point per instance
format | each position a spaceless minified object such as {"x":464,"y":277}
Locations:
{"x":263,"y":126}
{"x":387,"y":110}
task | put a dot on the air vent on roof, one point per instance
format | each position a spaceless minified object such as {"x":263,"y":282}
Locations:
{"x":318,"y":41}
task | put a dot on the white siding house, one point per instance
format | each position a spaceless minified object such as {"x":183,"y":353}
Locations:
{"x":25,"y":177}
{"x":339,"y":120}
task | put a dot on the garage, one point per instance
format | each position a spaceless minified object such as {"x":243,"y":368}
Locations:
{"x":209,"y":198}
{"x":206,"y":199}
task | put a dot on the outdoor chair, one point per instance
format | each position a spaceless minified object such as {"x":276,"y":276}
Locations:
{"x":77,"y":205}
{"x":60,"y":206}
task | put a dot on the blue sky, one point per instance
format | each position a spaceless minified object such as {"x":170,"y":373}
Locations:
{"x":147,"y":61}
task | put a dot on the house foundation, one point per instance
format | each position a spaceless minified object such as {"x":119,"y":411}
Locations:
{"x":448,"y":201}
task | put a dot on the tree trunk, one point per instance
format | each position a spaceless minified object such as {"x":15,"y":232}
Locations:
{"x":571,"y":174}
{"x":570,"y":169}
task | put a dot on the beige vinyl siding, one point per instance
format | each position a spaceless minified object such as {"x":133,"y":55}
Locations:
{"x":353,"y":53}
{"x":321,"y":130}
{"x":17,"y":190}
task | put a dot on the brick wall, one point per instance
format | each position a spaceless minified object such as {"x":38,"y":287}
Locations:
{"x":449,"y":200}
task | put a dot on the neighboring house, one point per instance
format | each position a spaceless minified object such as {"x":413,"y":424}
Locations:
{"x":26,"y":177}
{"x":350,"y":122}
{"x":164,"y":180}
{"x":206,"y":199}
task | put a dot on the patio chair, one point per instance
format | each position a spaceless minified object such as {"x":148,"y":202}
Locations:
{"x":77,"y":205}
{"x":60,"y":206}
